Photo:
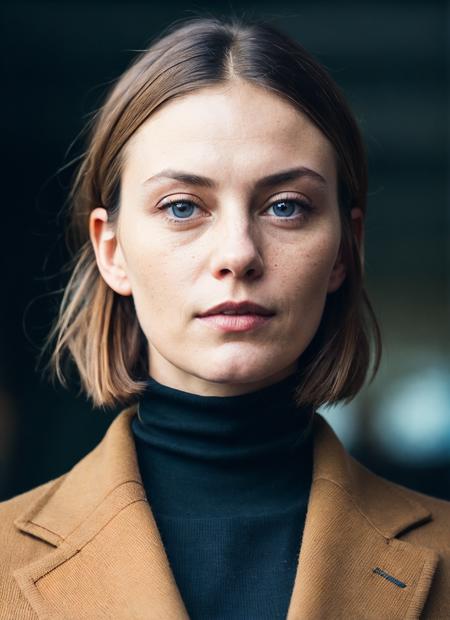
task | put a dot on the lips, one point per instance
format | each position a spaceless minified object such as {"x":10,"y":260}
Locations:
{"x":243,"y":307}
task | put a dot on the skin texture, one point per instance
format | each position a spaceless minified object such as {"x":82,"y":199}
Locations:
{"x":236,"y":243}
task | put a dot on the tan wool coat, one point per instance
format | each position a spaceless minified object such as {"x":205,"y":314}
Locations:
{"x":86,"y":546}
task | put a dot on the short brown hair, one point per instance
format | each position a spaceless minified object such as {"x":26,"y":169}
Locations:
{"x":98,"y":329}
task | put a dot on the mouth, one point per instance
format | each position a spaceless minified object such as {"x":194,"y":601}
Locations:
{"x":235,"y":322}
{"x":243,"y":308}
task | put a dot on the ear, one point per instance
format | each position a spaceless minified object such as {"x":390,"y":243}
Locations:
{"x":109,"y":256}
{"x":339,"y":270}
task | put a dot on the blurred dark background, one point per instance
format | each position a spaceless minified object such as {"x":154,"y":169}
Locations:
{"x":391,"y":60}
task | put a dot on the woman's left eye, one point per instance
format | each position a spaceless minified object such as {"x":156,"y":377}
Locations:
{"x":288,"y":205}
{"x":285,"y":208}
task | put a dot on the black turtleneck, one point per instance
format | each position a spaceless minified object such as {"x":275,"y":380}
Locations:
{"x":228,"y":481}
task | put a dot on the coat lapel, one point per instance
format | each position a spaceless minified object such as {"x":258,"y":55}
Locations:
{"x":351,"y":566}
{"x":108,"y":559}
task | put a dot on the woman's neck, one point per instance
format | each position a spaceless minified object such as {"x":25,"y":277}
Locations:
{"x":223,"y":455}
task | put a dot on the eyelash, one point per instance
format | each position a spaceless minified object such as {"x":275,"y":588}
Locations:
{"x":306,"y":206}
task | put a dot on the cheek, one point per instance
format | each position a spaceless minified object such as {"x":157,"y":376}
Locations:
{"x":152,"y":285}
{"x":311,"y":264}
{"x":158,"y":277}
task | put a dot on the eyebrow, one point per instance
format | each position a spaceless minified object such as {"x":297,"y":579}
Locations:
{"x":265,"y":182}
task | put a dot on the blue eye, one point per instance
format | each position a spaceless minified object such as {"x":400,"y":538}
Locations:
{"x":179,"y":208}
{"x":288,"y":207}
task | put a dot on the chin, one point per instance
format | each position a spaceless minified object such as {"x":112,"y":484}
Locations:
{"x":240,"y":370}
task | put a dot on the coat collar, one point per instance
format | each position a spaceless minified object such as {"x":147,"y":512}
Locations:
{"x":106,"y":544}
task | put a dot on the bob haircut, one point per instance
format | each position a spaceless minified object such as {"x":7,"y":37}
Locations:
{"x":96,"y":328}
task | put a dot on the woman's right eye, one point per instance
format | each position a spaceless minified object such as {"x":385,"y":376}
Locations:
{"x":182,"y":209}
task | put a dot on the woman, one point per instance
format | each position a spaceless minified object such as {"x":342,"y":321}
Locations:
{"x":217,"y":292}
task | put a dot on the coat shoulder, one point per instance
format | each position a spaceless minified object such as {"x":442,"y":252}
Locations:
{"x":14,"y":507}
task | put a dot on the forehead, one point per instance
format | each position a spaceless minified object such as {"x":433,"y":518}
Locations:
{"x":235,"y":128}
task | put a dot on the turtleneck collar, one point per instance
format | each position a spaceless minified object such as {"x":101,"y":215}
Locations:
{"x":223,"y":455}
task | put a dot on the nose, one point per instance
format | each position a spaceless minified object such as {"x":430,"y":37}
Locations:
{"x":236,"y":250}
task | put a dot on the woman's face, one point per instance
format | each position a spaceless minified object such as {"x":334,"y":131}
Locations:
{"x":255,"y":218}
